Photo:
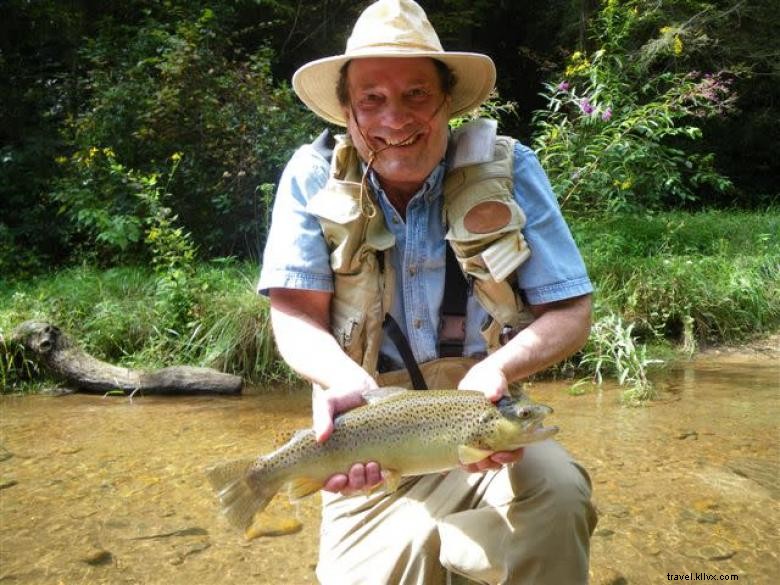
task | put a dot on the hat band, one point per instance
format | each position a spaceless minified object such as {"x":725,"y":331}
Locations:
{"x":393,"y":47}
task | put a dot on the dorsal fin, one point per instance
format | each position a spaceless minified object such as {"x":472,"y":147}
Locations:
{"x":381,"y":394}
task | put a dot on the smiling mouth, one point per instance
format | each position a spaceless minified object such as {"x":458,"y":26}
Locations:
{"x":401,"y":143}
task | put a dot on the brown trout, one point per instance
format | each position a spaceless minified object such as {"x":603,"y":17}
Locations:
{"x":406,"y":432}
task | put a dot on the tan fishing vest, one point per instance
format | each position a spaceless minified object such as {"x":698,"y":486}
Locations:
{"x":484,"y":223}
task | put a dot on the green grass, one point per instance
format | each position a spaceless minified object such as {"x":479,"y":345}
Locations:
{"x":113,"y":314}
{"x":690,"y":278}
{"x":664,"y":281}
{"x":676,"y":281}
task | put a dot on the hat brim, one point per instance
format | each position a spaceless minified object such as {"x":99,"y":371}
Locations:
{"x":315,"y":83}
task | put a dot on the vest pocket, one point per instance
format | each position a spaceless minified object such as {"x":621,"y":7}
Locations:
{"x":489,"y":251}
{"x":348,"y":326}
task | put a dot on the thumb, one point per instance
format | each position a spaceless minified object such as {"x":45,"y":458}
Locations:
{"x":322,"y":417}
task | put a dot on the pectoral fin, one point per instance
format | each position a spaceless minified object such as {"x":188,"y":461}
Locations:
{"x":392,"y":479}
{"x":468,"y":455}
{"x":300,"y":487}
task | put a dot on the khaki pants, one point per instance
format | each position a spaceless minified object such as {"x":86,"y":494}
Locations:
{"x":526,"y":523}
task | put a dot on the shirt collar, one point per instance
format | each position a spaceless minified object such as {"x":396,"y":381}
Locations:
{"x":431,"y":187}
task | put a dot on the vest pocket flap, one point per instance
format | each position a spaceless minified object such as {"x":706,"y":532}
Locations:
{"x":336,"y":202}
{"x":495,"y":261}
{"x":505,"y":255}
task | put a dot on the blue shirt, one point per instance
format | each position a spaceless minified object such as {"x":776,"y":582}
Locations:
{"x":296,"y":255}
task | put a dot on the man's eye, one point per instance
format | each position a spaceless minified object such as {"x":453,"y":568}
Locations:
{"x":418,"y":93}
{"x":370,"y":99}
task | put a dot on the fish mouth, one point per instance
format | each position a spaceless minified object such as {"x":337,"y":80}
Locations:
{"x":539,"y":432}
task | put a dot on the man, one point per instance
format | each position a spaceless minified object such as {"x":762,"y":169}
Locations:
{"x":360,"y":234}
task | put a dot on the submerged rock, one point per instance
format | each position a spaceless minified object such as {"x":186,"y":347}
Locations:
{"x":98,"y":557}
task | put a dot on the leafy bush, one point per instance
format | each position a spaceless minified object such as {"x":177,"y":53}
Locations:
{"x":613,"y":351}
{"x":181,"y":85}
{"x":612,"y":133}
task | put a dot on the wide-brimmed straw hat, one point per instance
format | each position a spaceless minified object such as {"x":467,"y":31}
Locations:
{"x":394,"y":28}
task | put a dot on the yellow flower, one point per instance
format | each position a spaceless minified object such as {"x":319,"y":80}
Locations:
{"x":678,"y":46}
{"x":572,"y":70}
{"x":665,"y":30}
{"x":93,"y":151}
{"x":626,"y":185}
{"x":61,"y":160}
{"x":176,"y":157}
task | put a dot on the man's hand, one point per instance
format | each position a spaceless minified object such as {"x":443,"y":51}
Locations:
{"x":489,"y":380}
{"x":361,"y":477}
{"x":326,"y":404}
{"x":492,"y":382}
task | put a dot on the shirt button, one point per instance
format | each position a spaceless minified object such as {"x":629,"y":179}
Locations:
{"x":417,"y":323}
{"x":412,"y":270}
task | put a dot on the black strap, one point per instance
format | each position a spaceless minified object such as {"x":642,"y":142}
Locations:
{"x":402,"y":345}
{"x":452,"y":316}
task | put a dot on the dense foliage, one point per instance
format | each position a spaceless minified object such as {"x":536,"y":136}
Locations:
{"x":150,"y":81}
{"x":97,"y":95}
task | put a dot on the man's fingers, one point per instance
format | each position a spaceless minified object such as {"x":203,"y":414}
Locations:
{"x":373,"y":474}
{"x":335,"y":483}
{"x":357,"y":477}
{"x":505,"y":457}
{"x":496,"y":461}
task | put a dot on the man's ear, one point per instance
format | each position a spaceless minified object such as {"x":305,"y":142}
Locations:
{"x":448,"y":106}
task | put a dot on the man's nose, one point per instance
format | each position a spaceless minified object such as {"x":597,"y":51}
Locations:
{"x":396,"y":114}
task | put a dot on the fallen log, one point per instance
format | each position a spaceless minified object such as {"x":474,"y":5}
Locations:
{"x":63,"y":357}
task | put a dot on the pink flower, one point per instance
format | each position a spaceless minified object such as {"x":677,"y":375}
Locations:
{"x":607,"y":115}
{"x":586,"y":106}
{"x":563,"y":86}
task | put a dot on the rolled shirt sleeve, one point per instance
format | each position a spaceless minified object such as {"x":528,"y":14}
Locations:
{"x":555,"y":270}
{"x":296,"y":255}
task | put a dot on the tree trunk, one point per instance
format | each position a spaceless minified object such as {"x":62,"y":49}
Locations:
{"x":55,"y":350}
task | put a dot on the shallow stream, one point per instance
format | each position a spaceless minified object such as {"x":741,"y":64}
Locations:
{"x":105,"y":490}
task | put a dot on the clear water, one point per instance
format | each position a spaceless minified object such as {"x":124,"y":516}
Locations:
{"x":103,"y":490}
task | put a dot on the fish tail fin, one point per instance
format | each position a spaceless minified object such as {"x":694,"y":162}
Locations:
{"x":242,"y":490}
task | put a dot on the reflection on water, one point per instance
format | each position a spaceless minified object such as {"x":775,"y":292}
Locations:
{"x":97,"y":490}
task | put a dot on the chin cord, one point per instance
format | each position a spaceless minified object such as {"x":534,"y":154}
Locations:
{"x":367,"y":206}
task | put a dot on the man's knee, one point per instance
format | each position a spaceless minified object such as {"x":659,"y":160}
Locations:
{"x":396,"y":550}
{"x":551,"y":478}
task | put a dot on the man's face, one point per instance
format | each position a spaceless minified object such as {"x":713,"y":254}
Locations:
{"x":398,"y":108}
